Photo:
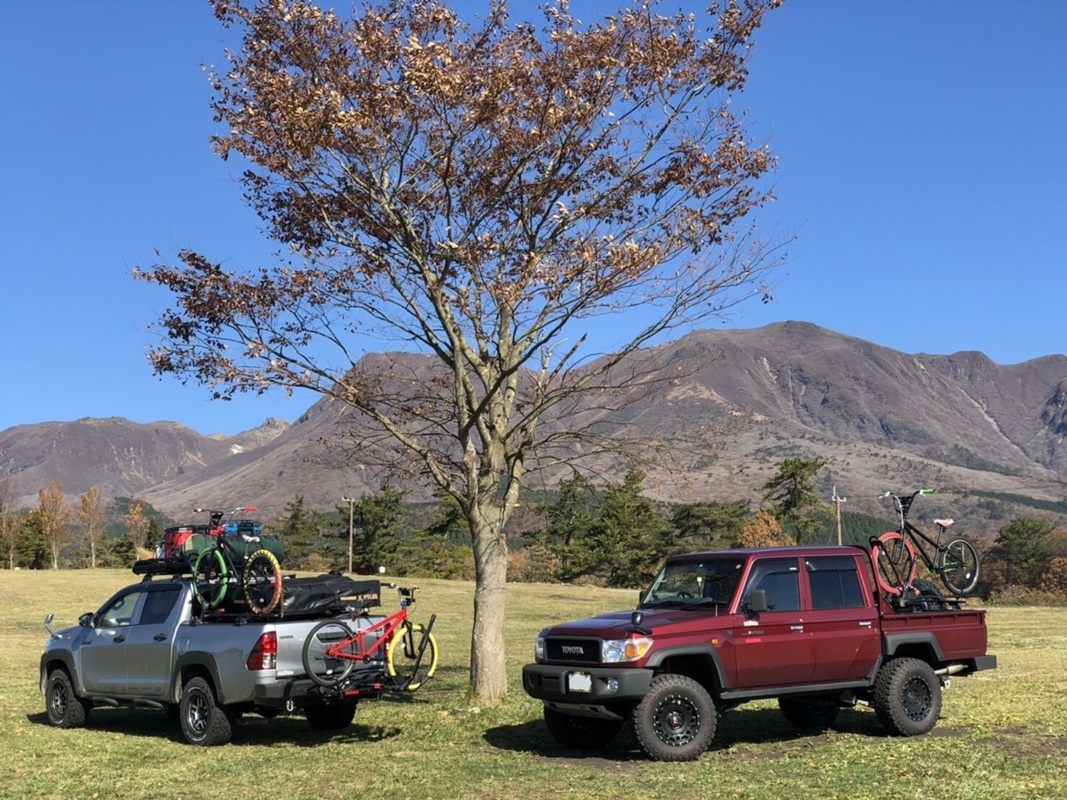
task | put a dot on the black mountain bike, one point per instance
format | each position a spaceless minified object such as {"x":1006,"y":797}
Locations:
{"x":897,"y":554}
{"x":236,"y":558}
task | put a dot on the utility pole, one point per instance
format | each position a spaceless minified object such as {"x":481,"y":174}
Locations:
{"x":838,"y":500}
{"x":351,"y":505}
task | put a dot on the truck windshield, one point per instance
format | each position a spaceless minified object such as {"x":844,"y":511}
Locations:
{"x":695,"y":583}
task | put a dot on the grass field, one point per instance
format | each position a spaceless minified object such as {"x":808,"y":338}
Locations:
{"x":1003,"y":734}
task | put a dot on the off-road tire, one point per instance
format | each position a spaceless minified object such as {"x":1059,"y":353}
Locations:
{"x":581,"y":733}
{"x":676,"y":720}
{"x":65,"y":709}
{"x":203,"y":721}
{"x":907,"y":697}
{"x":331,"y":717}
{"x":808,"y":715}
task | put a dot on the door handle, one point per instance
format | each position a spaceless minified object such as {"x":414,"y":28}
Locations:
{"x":865,"y":624}
{"x":159,"y":637}
{"x":796,"y":627}
{"x":120,"y":638}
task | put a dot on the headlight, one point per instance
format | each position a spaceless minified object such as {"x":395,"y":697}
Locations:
{"x":539,"y":647}
{"x":613,"y":651}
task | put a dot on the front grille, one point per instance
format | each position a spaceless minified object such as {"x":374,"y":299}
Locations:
{"x":579,"y":650}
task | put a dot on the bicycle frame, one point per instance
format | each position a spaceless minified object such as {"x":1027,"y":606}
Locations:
{"x":917,"y":539}
{"x":382,"y":641}
{"x":353,"y":648}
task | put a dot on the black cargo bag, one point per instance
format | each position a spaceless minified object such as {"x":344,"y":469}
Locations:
{"x":239,"y":549}
{"x":328,"y":594}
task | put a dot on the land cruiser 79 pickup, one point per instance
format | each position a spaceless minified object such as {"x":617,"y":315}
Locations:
{"x":149,"y":646}
{"x":805,"y":625}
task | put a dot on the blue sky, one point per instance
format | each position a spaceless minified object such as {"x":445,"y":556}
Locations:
{"x":921,"y":168}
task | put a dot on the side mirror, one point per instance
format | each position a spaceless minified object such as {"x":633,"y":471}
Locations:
{"x":86,"y":620}
{"x":757,"y":603}
{"x":636,"y":620}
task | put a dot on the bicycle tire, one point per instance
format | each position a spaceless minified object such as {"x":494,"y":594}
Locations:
{"x":407,"y":640}
{"x":959,"y":566}
{"x":894,"y":559}
{"x":262,"y":582}
{"x":210,"y":578}
{"x":319,"y":665}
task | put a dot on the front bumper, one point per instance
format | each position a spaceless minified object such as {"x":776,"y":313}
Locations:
{"x":607,"y":685}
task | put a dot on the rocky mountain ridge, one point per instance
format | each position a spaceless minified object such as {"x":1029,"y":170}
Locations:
{"x":745,"y":399}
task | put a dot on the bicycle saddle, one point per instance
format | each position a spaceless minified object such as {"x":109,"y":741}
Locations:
{"x":944,"y":523}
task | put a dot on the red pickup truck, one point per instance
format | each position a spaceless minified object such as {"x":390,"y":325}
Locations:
{"x":806,"y":625}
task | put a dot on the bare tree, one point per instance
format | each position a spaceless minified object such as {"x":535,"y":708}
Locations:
{"x":137,"y":523}
{"x":55,"y":519}
{"x":484,"y":194}
{"x":10,"y":521}
{"x":92,"y":517}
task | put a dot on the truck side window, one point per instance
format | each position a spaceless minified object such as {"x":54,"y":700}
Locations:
{"x":158,"y":606}
{"x":834,"y":583}
{"x":120,"y":613}
{"x":780,"y":578}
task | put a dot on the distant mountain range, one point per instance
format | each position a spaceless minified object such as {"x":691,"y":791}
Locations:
{"x":991,"y":438}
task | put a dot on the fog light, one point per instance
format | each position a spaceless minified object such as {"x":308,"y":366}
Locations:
{"x":613,"y":685}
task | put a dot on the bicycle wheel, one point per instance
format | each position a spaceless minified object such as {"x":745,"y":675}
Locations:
{"x":325,"y":649}
{"x":959,"y":566}
{"x":262,"y":582}
{"x":210,"y":578}
{"x":894,"y":559}
{"x":412,"y":656}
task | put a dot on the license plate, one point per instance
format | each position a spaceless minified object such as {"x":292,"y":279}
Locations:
{"x":580,"y":682}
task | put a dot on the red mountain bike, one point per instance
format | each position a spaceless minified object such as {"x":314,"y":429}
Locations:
{"x":333,"y":650}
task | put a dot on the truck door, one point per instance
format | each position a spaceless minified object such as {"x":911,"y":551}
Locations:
{"x":774,"y":648}
{"x":150,"y":642}
{"x":103,"y":651}
{"x":843,"y":621}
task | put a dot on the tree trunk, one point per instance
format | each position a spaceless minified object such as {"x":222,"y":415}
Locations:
{"x":488,"y":664}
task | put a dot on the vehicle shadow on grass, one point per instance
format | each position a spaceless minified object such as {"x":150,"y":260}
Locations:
{"x":252,"y":729}
{"x":738,"y":729}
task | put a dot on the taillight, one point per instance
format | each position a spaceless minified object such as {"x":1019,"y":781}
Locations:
{"x":265,"y":654}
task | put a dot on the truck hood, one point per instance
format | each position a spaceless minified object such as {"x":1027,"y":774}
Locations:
{"x":617,"y":625}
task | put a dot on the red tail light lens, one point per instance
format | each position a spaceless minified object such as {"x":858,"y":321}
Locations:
{"x":265,"y":654}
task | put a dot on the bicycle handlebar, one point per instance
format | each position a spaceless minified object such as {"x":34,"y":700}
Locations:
{"x":913,"y":494}
{"x":903,"y":501}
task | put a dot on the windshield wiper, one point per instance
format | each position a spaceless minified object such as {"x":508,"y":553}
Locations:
{"x":685,"y":603}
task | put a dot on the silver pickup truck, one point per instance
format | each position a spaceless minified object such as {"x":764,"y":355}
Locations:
{"x":148,"y":646}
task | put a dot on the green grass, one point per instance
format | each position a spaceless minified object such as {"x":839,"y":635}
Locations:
{"x":1003,"y":734}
